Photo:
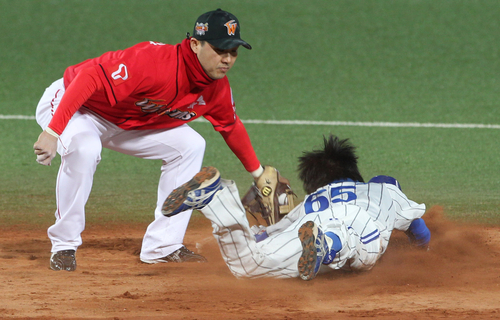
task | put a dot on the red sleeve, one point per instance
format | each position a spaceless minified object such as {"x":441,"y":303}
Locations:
{"x":239,"y":142}
{"x":85,"y":84}
{"x":124,"y":72}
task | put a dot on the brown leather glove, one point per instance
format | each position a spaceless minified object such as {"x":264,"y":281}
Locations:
{"x":269,"y":198}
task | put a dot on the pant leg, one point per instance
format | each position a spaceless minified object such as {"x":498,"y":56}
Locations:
{"x":81,"y":154}
{"x":181,"y":150}
{"x":276,"y":256}
{"x":80,"y":149}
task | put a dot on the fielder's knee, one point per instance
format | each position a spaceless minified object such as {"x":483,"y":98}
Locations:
{"x":196,"y":148}
{"x":84,"y":150}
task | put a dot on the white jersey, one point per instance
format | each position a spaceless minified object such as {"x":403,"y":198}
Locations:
{"x":363,"y":215}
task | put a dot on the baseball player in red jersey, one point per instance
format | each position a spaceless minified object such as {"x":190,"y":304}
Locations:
{"x":138,"y":101}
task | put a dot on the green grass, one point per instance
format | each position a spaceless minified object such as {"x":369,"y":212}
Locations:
{"x":433,"y":61}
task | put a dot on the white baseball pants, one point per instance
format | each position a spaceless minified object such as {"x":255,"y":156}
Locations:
{"x":243,"y":256}
{"x":181,"y":149}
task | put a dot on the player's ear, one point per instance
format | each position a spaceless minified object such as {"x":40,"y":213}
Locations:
{"x":195,"y":45}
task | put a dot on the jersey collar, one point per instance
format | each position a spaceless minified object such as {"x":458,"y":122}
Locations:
{"x":198,"y":79}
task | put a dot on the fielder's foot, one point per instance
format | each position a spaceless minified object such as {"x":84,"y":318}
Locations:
{"x":63,"y":260}
{"x":418,"y":234}
{"x":194,"y":194}
{"x":180,"y":255}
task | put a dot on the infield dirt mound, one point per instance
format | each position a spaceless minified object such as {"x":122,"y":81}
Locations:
{"x":458,"y":278}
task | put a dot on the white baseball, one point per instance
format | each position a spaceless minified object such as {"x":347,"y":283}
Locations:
{"x":282,"y":199}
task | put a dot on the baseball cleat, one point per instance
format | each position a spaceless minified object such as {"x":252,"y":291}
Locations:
{"x":63,"y":260}
{"x":314,"y":249}
{"x":194,"y":194}
{"x":180,"y":255}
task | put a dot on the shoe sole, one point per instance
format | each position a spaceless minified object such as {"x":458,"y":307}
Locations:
{"x":179,"y":195}
{"x":181,"y":255}
{"x":307,"y":260}
{"x":152,"y":261}
{"x":200,"y":260}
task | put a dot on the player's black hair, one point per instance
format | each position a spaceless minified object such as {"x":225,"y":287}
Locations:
{"x":336,"y":161}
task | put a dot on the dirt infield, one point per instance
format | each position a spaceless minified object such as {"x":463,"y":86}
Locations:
{"x":459,"y":278}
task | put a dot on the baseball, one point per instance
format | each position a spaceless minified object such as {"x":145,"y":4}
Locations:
{"x":282,"y":199}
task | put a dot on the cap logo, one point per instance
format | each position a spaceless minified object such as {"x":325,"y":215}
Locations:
{"x":201,"y":28}
{"x":231,"y":27}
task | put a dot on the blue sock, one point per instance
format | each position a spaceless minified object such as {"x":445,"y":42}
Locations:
{"x":420,"y":235}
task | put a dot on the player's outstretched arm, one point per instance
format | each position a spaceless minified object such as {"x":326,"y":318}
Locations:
{"x":45,"y":148}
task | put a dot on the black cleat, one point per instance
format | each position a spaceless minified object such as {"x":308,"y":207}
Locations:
{"x":63,"y":260}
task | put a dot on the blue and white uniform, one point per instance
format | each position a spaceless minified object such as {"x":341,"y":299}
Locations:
{"x":362,"y":215}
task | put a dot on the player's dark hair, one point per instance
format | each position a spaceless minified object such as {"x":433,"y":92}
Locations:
{"x":336,"y":161}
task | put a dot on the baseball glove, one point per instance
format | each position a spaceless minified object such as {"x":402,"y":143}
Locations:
{"x":269,"y":198}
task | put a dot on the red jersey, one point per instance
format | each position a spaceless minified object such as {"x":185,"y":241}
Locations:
{"x":147,"y":86}
{"x":153,"y":86}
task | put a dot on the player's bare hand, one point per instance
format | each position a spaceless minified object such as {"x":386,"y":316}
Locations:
{"x":45,"y":148}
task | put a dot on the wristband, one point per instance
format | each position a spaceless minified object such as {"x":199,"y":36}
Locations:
{"x":257,"y":173}
{"x":51,"y":132}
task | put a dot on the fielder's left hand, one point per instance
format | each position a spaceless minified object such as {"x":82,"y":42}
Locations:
{"x":45,"y":148}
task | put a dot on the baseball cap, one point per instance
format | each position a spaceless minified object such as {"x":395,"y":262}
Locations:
{"x":219,"y":28}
